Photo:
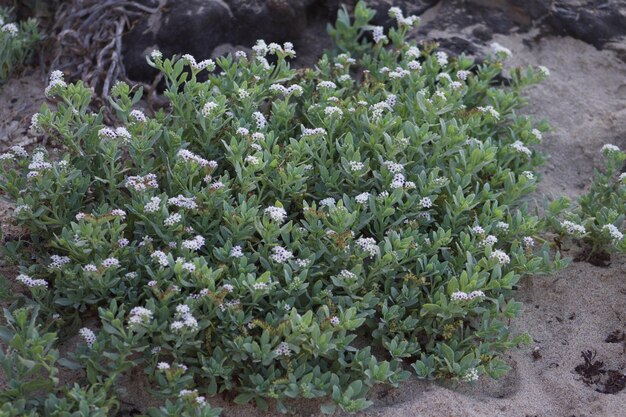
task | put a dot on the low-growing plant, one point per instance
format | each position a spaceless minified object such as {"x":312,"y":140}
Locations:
{"x":277,"y":234}
{"x":597,"y":217}
{"x":17,"y":43}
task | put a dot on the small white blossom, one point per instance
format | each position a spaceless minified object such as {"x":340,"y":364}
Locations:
{"x":503,"y":258}
{"x":362,"y":198}
{"x":172,"y":219}
{"x":236,"y":252}
{"x":528,"y":242}
{"x":614,"y":232}
{"x":573,"y":228}
{"x":609,"y":149}
{"x":501,"y":50}
{"x":378,"y":34}
{"x":29,"y":282}
{"x":277,"y":214}
{"x":110,"y":262}
{"x":280,"y":254}
{"x":88,"y":336}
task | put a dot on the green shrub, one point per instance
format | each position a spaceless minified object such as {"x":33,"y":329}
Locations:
{"x":280,"y":234}
{"x":17,"y":43}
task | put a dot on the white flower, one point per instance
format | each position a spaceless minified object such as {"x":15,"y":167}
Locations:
{"x":236,"y":252}
{"x":471,"y":375}
{"x":368,"y":245}
{"x":462,"y":74}
{"x":156,"y":55}
{"x":488,"y":240}
{"x":502,"y":225}
{"x":283,"y":349}
{"x":259,"y":119}
{"x":139,"y":315}
{"x":528,"y":242}
{"x":518,"y":146}
{"x":334,"y":320}
{"x":478,"y":230}
{"x":11,"y":29}
{"x":193,"y":244}
{"x":29,"y":282}
{"x":362,"y":198}
{"x":489,"y":109}
{"x":356,"y":165}
{"x":613,"y":231}
{"x":280,"y":254}
{"x":139,"y":183}
{"x":207,"y":63}
{"x":87,"y":335}
{"x":172,"y":219}
{"x":332,"y":111}
{"x":183,"y":202}
{"x":501,"y":50}
{"x":544,"y":71}
{"x":110,"y":262}
{"x":242,"y":131}
{"x":153,"y":205}
{"x":398,"y":181}
{"x":277,"y":214}
{"x":162,"y":366}
{"x":609,"y":149}
{"x":393,"y":167}
{"x":573,"y":228}
{"x":537,"y":134}
{"x":426,"y":202}
{"x":90,"y":268}
{"x":442,"y":58}
{"x":326,"y":84}
{"x":228,"y":287}
{"x":502,"y":257}
{"x":138,"y":116}
{"x":328,"y":202}
{"x":378,"y":34}
{"x":313,"y":132}
{"x":252,"y":160}
{"x":209,"y":108}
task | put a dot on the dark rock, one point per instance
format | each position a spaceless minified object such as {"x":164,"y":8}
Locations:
{"x":482,"y":32}
{"x":197,"y":27}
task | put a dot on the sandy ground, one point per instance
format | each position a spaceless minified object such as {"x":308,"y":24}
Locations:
{"x":585,"y":102}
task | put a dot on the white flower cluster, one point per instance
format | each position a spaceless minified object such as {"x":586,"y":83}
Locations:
{"x":207,"y":64}
{"x":501,"y":50}
{"x":11,"y":29}
{"x":193,"y":244}
{"x":616,"y":235}
{"x":573,"y":228}
{"x":331,"y":111}
{"x":442,"y":58}
{"x":283,"y":349}
{"x":397,"y":14}
{"x":172,"y":219}
{"x":110,"y":262}
{"x":318,"y":131}
{"x":609,"y":149}
{"x":208,"y":108}
{"x":119,"y":213}
{"x":153,"y":205}
{"x":503,"y":258}
{"x":528,"y":242}
{"x":544,"y":71}
{"x":280,"y":254}
{"x":29,"y":282}
{"x":489,"y":240}
{"x":259,"y":119}
{"x":368,"y":245}
{"x":15,"y":151}
{"x":137,"y":116}
{"x":88,"y":336}
{"x":328,"y":202}
{"x":378,"y":34}
{"x":183,"y":202}
{"x":139,"y":183}
{"x":139,"y":315}
{"x":192,"y":395}
{"x":489,"y":109}
{"x":471,"y":375}
{"x":362,"y":198}
{"x":277,"y":214}
{"x":189,"y":156}
{"x":37,"y":165}
{"x":463,"y":296}
{"x":462,"y":74}
{"x":426,"y":202}
{"x":58,"y":261}
{"x":398,"y":73}
{"x":326,"y":84}
{"x":393,"y":167}
{"x":281,"y":89}
{"x":537,"y":134}
{"x":160,"y":257}
{"x":236,"y":252}
{"x":185,"y":320}
{"x":334,"y":320}
{"x":56,"y":81}
{"x":518,"y":146}
{"x":503,"y":226}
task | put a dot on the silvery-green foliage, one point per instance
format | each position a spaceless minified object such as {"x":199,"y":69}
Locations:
{"x":284,"y":234}
{"x":17,"y":43}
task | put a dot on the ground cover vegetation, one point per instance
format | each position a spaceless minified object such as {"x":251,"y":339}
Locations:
{"x":277,"y":234}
